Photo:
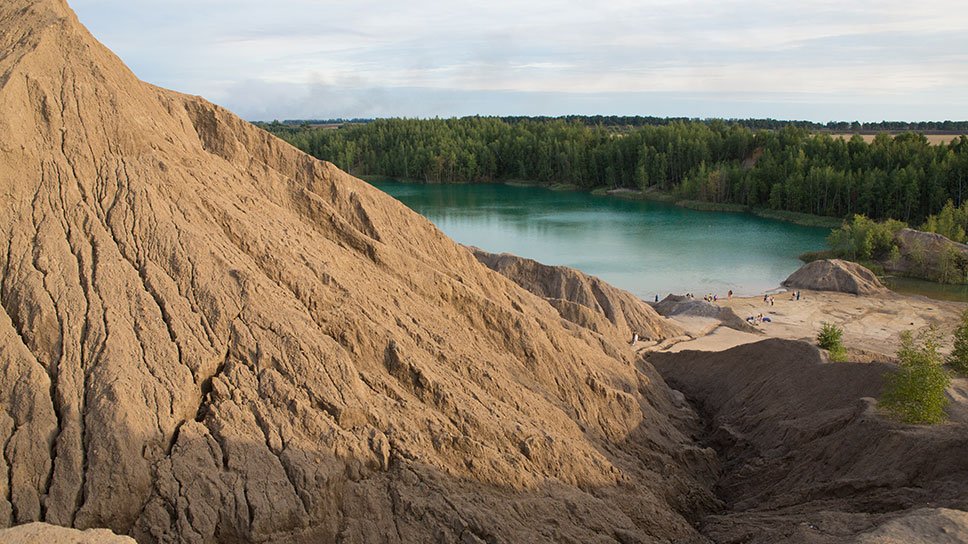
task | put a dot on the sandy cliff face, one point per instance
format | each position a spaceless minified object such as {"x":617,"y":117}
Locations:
{"x":582,"y":299}
{"x":210,"y":336}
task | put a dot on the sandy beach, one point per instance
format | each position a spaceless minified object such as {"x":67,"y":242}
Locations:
{"x":872,"y":323}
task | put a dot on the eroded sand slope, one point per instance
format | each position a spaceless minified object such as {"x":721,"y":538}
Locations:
{"x":209,"y":336}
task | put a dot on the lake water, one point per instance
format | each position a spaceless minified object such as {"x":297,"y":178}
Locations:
{"x":911,"y":286}
{"x":647,"y":248}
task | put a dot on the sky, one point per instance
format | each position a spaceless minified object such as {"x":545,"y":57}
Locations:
{"x":818,"y":60}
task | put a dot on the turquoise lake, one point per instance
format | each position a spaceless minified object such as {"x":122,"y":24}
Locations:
{"x":647,"y":248}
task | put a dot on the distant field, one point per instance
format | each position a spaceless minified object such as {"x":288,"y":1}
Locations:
{"x":326,"y":125}
{"x":933,"y":139}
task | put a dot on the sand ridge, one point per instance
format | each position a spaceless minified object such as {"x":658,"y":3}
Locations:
{"x":207,"y":335}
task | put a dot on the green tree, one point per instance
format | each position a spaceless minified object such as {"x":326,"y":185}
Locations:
{"x":830,"y":338}
{"x":895,"y":256}
{"x":915,"y":392}
{"x":948,"y":269}
{"x":958,"y":359}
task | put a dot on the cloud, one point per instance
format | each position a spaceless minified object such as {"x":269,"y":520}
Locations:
{"x":818,"y":52}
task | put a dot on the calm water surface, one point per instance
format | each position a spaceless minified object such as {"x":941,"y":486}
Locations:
{"x":647,"y":248}
{"x":911,"y":286}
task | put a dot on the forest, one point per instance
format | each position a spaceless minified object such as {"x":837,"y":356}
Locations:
{"x":790,"y":168}
{"x":949,"y":127}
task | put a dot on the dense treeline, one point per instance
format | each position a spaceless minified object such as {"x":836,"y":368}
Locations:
{"x":793,"y":169}
{"x":624,"y":121}
{"x":899,"y":126}
{"x":757,"y":124}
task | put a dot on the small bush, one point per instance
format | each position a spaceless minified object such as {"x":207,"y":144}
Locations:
{"x":959,"y":355}
{"x":810,"y":256}
{"x":831,"y":339}
{"x":894,"y":256}
{"x":915,"y":392}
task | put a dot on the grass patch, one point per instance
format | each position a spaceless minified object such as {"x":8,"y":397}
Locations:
{"x":656,"y":196}
{"x":874,"y":266}
{"x":805,"y":219}
{"x":636,"y":195}
{"x":601,"y":191}
{"x":811,"y":256}
{"x":376,"y":178}
{"x":711,"y":206}
{"x":564,"y":187}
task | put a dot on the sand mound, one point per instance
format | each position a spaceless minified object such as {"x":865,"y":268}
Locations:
{"x":806,"y":456}
{"x":43,"y":533}
{"x":209,"y":336}
{"x":680,"y":306}
{"x":835,"y":275}
{"x":583,"y":299}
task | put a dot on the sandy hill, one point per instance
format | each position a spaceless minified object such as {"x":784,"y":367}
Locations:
{"x":209,"y":336}
{"x":835,"y":275}
{"x":583,"y":299}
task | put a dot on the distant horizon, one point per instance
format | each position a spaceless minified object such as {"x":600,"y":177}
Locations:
{"x":359,"y":119}
{"x":816,"y":61}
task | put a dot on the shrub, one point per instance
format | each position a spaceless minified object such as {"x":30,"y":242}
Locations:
{"x":895,"y":256}
{"x":831,"y":339}
{"x":959,"y":355}
{"x":951,"y":265}
{"x":864,"y":239}
{"x":915,"y":392}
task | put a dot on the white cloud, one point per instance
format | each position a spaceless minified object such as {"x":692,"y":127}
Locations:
{"x":818,"y":51}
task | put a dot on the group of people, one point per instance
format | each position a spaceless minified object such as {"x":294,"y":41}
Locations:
{"x":757,"y":319}
{"x":711,"y":297}
{"x":794,"y":295}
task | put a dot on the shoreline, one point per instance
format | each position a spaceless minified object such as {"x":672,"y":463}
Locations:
{"x":797,"y":218}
